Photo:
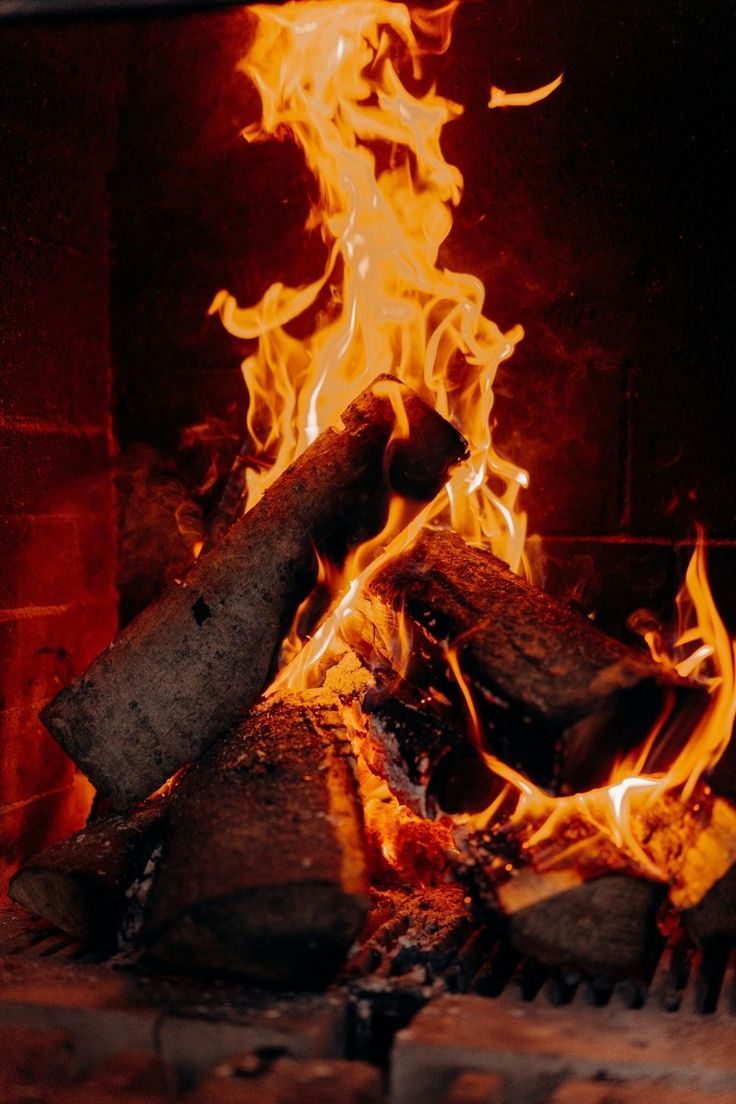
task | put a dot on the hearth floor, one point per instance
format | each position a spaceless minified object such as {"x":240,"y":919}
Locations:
{"x":540,"y":1037}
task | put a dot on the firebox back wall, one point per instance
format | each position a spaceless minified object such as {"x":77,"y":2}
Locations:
{"x":595,"y":219}
{"x":58,"y":602}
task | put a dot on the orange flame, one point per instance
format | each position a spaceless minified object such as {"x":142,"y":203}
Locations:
{"x":617,"y":812}
{"x":499,"y":98}
{"x":329,"y":79}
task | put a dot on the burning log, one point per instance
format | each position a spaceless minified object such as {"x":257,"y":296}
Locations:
{"x":558,"y":699}
{"x":263,"y":872}
{"x":604,"y":926}
{"x":416,"y":748}
{"x":190,"y":666}
{"x":80,"y":884}
{"x":695,"y":843}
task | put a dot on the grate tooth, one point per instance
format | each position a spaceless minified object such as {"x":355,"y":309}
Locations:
{"x":530,"y":979}
{"x":709,"y":978}
{"x":597,"y":993}
{"x":562,"y":987}
{"x":493,"y":978}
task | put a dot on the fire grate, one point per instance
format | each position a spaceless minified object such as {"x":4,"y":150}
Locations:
{"x":387,"y":1008}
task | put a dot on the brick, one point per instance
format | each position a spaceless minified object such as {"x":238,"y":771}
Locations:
{"x":29,"y":1056}
{"x":51,"y":560}
{"x":300,"y":1026}
{"x":634,"y":1092}
{"x":683,"y":444}
{"x":43,"y":653}
{"x":103,"y":1011}
{"x":55,"y":472}
{"x":58,"y":131}
{"x":132,"y":1072}
{"x":64,"y":80}
{"x":474,"y":1087}
{"x":54,"y":334}
{"x":54,"y":192}
{"x":533,"y":1047}
{"x":173,"y":63}
{"x":291,"y":1082}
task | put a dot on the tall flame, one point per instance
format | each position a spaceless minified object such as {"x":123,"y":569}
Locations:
{"x":330,"y":76}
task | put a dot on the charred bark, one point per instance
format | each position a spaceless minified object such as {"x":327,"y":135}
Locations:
{"x":605,"y":927}
{"x":263,"y":872}
{"x":559,"y":700}
{"x":417,"y":747}
{"x":188,"y":668}
{"x":80,"y":884}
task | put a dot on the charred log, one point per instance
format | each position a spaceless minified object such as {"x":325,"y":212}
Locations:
{"x":189,"y":667}
{"x":559,"y":700}
{"x":416,"y":746}
{"x":263,"y":872}
{"x":604,"y":926}
{"x":80,"y":884}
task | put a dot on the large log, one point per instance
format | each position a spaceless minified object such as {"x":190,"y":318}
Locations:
{"x":263,"y":872}
{"x":559,"y":700}
{"x":188,"y":668}
{"x":80,"y":884}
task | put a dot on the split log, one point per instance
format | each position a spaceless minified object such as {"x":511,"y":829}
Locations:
{"x":417,"y":748}
{"x":80,"y":884}
{"x":605,"y":927}
{"x":191,"y":665}
{"x":559,"y":700}
{"x":695,"y":843}
{"x":263,"y":873}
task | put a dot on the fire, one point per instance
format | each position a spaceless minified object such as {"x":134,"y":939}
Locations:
{"x":621,"y":812}
{"x":333,"y":77}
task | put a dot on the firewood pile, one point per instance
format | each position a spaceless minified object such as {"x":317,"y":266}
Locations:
{"x":233,"y":835}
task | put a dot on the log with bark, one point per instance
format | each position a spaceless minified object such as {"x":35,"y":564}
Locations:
{"x":189,"y":667}
{"x":263,"y":872}
{"x":80,"y":884}
{"x":559,"y":700}
{"x":605,"y":927}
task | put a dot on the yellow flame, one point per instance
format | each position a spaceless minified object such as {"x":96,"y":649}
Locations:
{"x":499,"y":98}
{"x":329,"y":76}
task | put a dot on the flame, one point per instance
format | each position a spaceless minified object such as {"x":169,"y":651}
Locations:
{"x":330,"y":78}
{"x":499,"y":98}
{"x":620,"y":813}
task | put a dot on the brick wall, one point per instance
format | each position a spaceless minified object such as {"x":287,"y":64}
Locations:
{"x":57,"y":509}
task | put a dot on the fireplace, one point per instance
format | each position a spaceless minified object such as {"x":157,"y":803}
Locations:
{"x":593,"y":217}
